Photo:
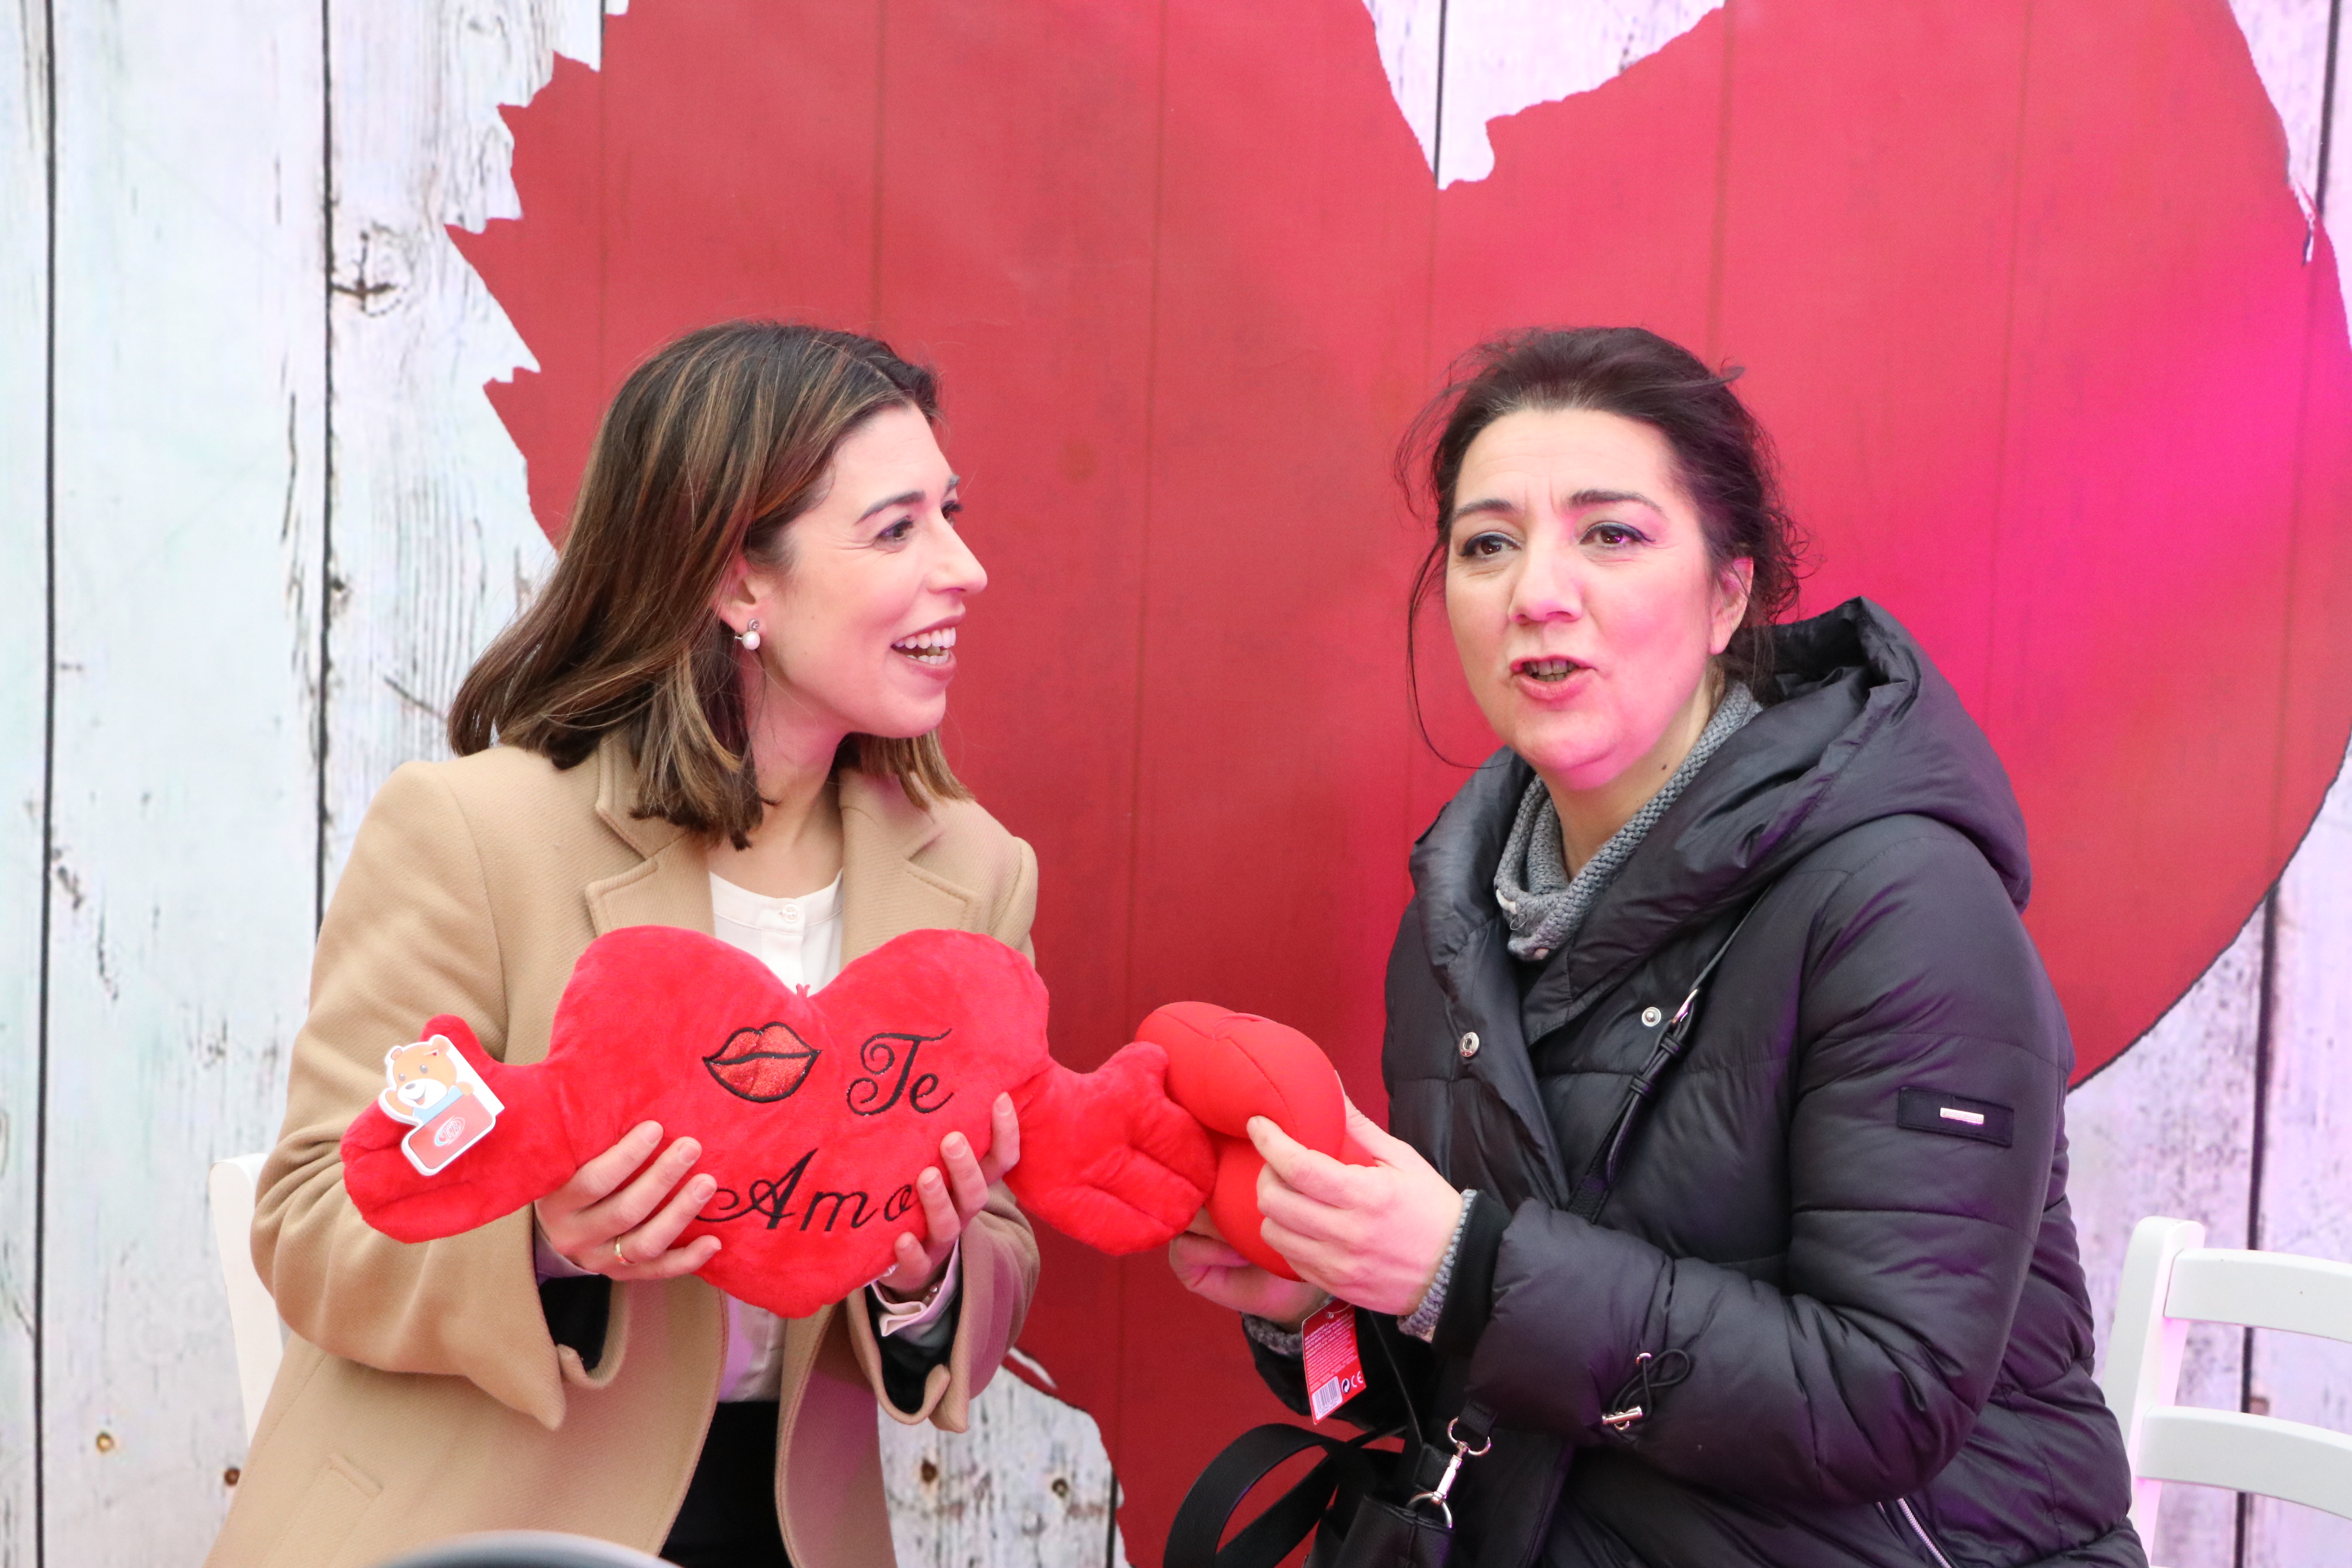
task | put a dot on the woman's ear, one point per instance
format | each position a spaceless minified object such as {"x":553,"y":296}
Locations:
{"x":1732,"y":586}
{"x":741,"y":590}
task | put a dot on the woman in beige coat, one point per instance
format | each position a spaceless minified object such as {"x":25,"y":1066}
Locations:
{"x":719,"y":714}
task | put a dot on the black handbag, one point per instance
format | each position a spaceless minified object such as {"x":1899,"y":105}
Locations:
{"x":1357,"y":1520}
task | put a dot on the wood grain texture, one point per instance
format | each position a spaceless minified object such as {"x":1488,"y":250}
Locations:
{"x":2167,"y":1129}
{"x":190,"y":417}
{"x":1029,"y":1486}
{"x":431,"y":539}
{"x":23,"y":665}
{"x":2307,"y":1197}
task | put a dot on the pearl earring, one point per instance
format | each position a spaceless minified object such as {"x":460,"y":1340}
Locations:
{"x":750,"y":638}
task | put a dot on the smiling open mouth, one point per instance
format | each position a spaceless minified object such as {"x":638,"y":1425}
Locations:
{"x":765,"y":1064}
{"x":1546,"y":669}
{"x":927,"y":647}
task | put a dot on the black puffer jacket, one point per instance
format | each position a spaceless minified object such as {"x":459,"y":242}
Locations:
{"x":1882,"y":1306}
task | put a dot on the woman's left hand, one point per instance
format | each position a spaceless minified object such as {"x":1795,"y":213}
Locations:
{"x":950,"y":1201}
{"x":1371,"y":1234}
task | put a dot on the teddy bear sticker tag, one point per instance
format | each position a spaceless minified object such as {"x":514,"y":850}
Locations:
{"x":437,"y":1092}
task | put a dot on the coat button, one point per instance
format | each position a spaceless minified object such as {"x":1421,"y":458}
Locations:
{"x":1469,"y":1045}
{"x":1652,"y":1017}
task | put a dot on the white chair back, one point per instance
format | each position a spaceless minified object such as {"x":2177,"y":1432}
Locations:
{"x":259,"y":1337}
{"x":2171,"y":1280}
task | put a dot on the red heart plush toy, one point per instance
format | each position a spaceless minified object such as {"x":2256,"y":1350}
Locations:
{"x":1225,"y":1068}
{"x":817,"y":1111}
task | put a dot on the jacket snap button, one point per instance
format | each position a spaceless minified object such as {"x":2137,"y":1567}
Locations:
{"x":1652,"y":1017}
{"x":1469,"y":1045}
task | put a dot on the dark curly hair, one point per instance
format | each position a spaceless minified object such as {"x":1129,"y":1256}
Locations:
{"x":1722,"y":456}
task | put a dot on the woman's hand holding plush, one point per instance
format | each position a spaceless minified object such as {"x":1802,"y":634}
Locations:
{"x":606,"y":1223}
{"x":1210,"y":1266}
{"x":1371,"y":1234}
{"x":951,"y":1201}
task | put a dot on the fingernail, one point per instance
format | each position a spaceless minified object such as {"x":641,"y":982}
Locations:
{"x":957,"y":1142}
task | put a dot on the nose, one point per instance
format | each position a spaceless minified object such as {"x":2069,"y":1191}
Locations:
{"x":1551,"y":585}
{"x":957,"y":570}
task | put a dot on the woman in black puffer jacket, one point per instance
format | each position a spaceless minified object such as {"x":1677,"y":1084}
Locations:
{"x":1829,"y":1310}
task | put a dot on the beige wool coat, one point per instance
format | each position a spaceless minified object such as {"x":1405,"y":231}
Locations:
{"x":421,"y":1396}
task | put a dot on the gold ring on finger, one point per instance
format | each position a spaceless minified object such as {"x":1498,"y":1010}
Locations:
{"x":619,"y":1256}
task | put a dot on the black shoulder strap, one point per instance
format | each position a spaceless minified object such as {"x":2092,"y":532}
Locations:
{"x":1591,"y":1192}
{"x":1343,"y":1475}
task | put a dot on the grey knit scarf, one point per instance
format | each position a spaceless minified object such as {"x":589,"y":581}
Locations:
{"x":1544,"y":905}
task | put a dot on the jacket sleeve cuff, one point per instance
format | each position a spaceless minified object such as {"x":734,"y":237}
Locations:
{"x":1422,"y":1322}
{"x":1470,"y":1282}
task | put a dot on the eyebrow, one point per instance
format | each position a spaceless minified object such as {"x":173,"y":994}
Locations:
{"x":1577,"y":502}
{"x":907,"y":499}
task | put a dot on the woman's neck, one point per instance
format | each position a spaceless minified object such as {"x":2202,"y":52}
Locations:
{"x":796,"y":848}
{"x":1590,"y":818}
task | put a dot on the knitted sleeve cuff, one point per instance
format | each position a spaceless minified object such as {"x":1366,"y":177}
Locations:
{"x":1422,"y":1322}
{"x":1470,"y":1287}
{"x":1282,"y":1342}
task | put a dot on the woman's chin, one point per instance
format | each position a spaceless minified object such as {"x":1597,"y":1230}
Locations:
{"x":1571,"y":754}
{"x":902,"y":723}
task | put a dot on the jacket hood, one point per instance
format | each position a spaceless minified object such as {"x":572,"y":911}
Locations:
{"x":1858,"y":725}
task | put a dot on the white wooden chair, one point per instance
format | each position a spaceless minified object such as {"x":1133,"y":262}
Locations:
{"x":259,"y":1337}
{"x":2171,"y":1279}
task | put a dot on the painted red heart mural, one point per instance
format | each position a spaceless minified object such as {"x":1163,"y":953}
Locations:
{"x":2057,"y":366}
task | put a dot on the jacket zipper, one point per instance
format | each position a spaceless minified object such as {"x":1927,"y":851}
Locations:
{"x":1920,"y":1531}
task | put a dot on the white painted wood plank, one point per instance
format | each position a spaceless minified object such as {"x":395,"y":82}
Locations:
{"x":2167,"y":1129}
{"x":24,"y":664}
{"x":2307,"y":1152}
{"x":2288,"y":39}
{"x":433,"y":543}
{"x":1408,"y":33}
{"x":1504,"y":55}
{"x":1030,"y":1486}
{"x":2333,"y":184}
{"x":190,"y":468}
{"x":2306,"y":1201}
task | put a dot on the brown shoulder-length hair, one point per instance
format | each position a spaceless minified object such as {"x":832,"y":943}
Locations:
{"x":712,"y":446}
{"x":1722,"y":455}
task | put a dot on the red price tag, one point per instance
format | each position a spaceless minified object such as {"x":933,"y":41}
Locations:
{"x":1335,"y":1372}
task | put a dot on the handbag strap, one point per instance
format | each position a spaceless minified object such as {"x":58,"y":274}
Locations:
{"x":1343,"y":1475}
{"x":1592,"y":1191}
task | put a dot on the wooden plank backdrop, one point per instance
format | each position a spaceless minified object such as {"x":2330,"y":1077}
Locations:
{"x":24,"y":688}
{"x":188,"y":415}
{"x":285,"y":518}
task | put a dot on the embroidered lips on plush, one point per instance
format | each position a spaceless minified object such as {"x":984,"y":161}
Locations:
{"x":817,"y":1111}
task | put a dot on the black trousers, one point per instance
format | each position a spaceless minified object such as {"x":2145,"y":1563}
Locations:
{"x":728,"y":1518}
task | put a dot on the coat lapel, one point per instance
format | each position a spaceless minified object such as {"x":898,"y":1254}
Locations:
{"x":885,"y":892}
{"x":671,"y":887}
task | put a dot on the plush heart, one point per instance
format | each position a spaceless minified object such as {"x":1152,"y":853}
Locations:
{"x":815,"y":1110}
{"x":1225,"y":1068}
